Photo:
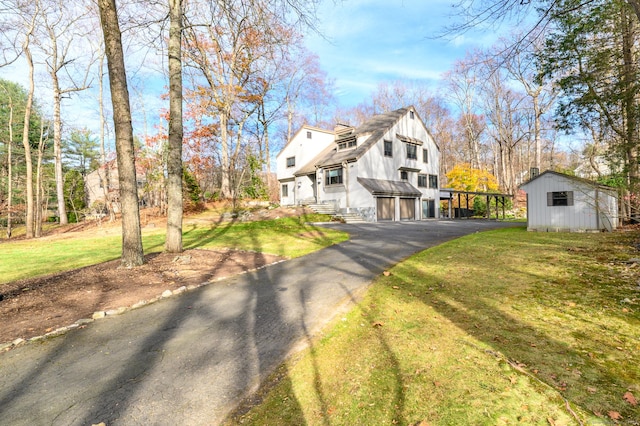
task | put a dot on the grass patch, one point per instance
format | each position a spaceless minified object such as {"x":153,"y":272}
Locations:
{"x":501,"y":327}
{"x":289,"y":237}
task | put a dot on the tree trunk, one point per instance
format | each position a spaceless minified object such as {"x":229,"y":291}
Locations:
{"x":57,"y":141}
{"x":25,"y":137}
{"x":132,"y":250}
{"x":10,"y":169}
{"x":173,"y":243}
{"x":38,"y":208}
{"x":629,"y":55}
{"x":225,"y":186}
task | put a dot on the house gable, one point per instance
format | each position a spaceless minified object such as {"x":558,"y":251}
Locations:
{"x":391,"y":156}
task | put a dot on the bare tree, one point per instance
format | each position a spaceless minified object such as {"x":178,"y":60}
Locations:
{"x":26,"y":50}
{"x":9,"y":164}
{"x":132,"y":250}
{"x":60,"y":26}
{"x":462,"y":83}
{"x":524,"y":67}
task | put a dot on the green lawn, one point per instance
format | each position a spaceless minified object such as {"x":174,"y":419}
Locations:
{"x":289,"y":237}
{"x":497,"y":328}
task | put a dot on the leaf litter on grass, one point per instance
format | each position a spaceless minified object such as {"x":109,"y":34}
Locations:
{"x":546,"y":343}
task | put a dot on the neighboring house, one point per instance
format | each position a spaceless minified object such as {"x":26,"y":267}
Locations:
{"x":559,"y":202}
{"x":593,"y":168}
{"x":386,"y":169}
{"x":94,"y":183}
{"x":97,"y":193}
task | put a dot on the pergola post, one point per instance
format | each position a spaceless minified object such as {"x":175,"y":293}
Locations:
{"x":488,"y":207}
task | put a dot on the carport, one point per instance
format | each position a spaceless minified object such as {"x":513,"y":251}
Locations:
{"x":498,"y":200}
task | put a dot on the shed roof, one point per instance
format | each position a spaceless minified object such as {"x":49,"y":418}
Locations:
{"x":569,"y":177}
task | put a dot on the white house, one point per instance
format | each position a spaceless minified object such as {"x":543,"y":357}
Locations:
{"x":559,"y":202}
{"x":386,"y":169}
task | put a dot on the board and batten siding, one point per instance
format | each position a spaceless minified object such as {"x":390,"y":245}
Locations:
{"x":589,"y":207}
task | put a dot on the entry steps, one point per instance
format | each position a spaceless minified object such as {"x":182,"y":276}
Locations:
{"x":331,"y":210}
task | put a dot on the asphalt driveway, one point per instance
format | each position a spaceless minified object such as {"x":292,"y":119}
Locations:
{"x":189,"y":359}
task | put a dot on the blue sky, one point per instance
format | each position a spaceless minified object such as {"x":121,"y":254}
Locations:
{"x":363,"y":43}
{"x":372,"y":41}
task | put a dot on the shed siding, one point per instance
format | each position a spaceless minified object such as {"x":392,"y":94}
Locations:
{"x":581,"y":216}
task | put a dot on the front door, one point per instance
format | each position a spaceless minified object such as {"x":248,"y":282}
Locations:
{"x":428,"y":209}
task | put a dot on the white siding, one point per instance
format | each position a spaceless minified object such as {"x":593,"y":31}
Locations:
{"x":303,"y":149}
{"x":375,"y":165}
{"x":581,"y":216}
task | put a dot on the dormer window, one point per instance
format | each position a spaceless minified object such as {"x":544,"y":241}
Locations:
{"x":308,"y":135}
{"x":346,"y":142}
{"x":411,"y":115}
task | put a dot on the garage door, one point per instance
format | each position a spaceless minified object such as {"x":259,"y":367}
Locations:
{"x":386,"y":208}
{"x":407,"y":208}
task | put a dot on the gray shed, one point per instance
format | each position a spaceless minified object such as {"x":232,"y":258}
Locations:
{"x":559,"y":202}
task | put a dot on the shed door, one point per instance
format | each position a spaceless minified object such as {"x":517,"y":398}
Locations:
{"x":386,"y":208}
{"x":407,"y":208}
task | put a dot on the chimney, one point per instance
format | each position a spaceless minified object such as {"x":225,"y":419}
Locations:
{"x":342,"y":128}
{"x":534,"y":172}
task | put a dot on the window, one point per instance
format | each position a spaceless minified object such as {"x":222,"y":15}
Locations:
{"x":285,"y":190}
{"x":350,"y":143}
{"x":433,"y":181}
{"x":412,"y":151}
{"x":388,"y":149}
{"x":404,"y":175}
{"x":425,"y":155}
{"x":308,"y":135}
{"x":291,"y":161}
{"x":422,"y":181}
{"x":411,"y":114}
{"x":333,"y":177}
{"x":560,"y":198}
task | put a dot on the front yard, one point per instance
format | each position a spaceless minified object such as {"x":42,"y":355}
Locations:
{"x":502,"y":327}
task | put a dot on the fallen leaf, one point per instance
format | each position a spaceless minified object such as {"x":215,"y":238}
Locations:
{"x":386,"y":273}
{"x":591,"y":389}
{"x":395,"y":287}
{"x":614,"y":415}
{"x":513,"y":380}
{"x":551,"y":421}
{"x":377,"y":324}
{"x":628,"y":396}
{"x":437,"y":384}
